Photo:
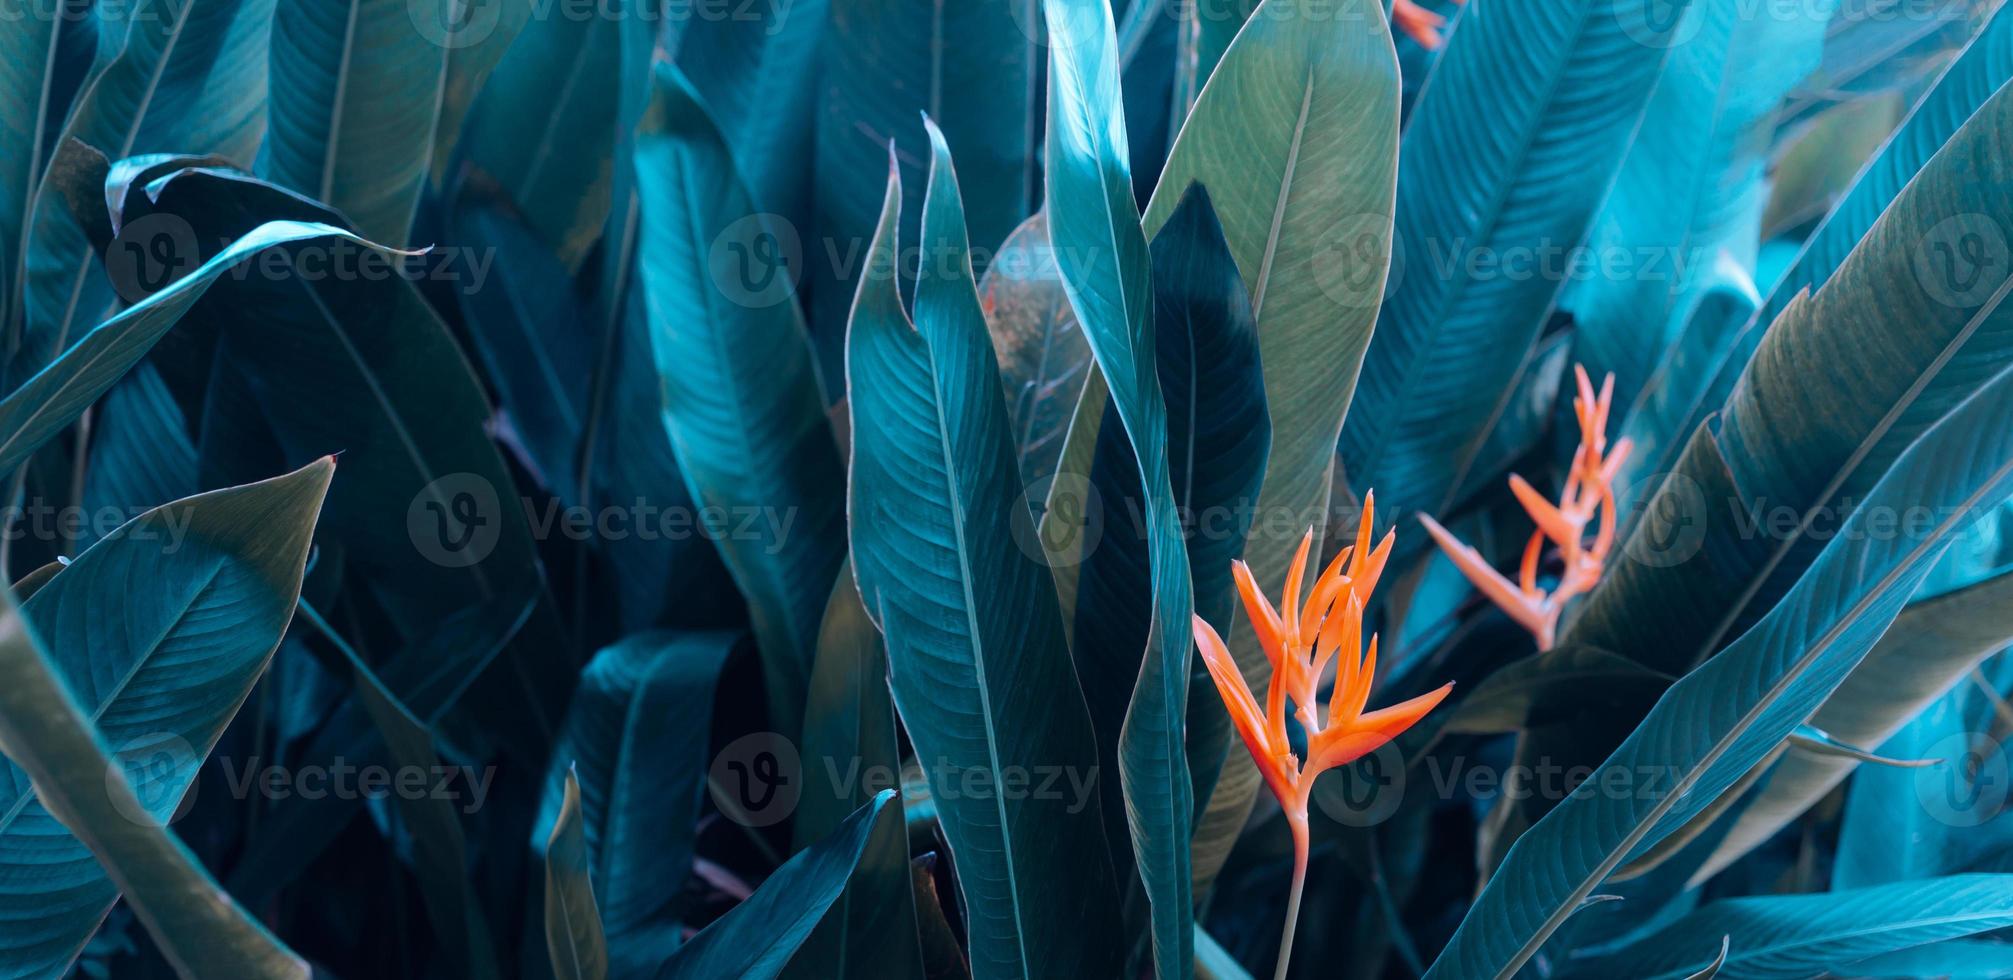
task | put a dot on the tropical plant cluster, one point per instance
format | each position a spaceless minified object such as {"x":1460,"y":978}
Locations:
{"x":1006,"y":488}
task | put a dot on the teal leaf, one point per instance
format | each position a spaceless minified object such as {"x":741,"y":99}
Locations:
{"x":1964,"y":87}
{"x":1715,"y":724}
{"x":740,"y":391}
{"x":1108,"y":273}
{"x":155,"y":95}
{"x":975,"y":68}
{"x":756,"y":71}
{"x":641,"y":702}
{"x":1789,"y":936}
{"x":355,"y":100}
{"x":205,"y":588}
{"x":1907,"y":824}
{"x":40,"y":65}
{"x":850,"y":753}
{"x":1508,"y":150}
{"x":1296,"y":137}
{"x":1691,"y":184}
{"x":756,"y":940}
{"x":572,"y":923}
{"x":977,"y":659}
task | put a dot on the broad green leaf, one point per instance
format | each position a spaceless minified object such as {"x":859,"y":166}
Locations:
{"x":359,"y":363}
{"x":756,"y":71}
{"x":1044,"y":357}
{"x":641,"y":703}
{"x":1218,"y":434}
{"x":1802,"y":447}
{"x":477,"y":35}
{"x":1691,"y":184}
{"x":41,"y":62}
{"x":851,"y":753}
{"x":156,"y":95}
{"x":975,"y":68}
{"x":1536,"y":690}
{"x":1296,"y":138}
{"x":572,"y":923}
{"x":204,"y":587}
{"x":1932,"y":645}
{"x":1711,"y":728}
{"x":429,"y":676}
{"x":1908,"y":824}
{"x":356,"y":94}
{"x":756,"y":939}
{"x":1507,"y":152}
{"x":1959,"y":92}
{"x":740,"y":389}
{"x":545,"y":124}
{"x":48,"y":402}
{"x":1204,"y":34}
{"x":1107,"y":271}
{"x":1805,"y":935}
{"x":976,"y":655}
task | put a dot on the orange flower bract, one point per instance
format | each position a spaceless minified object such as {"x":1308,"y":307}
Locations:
{"x":1300,"y":641}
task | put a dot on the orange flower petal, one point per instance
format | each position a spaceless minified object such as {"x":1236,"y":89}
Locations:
{"x":1264,"y":621}
{"x":1230,"y":685}
{"x":1289,"y":601}
{"x":1498,"y":589}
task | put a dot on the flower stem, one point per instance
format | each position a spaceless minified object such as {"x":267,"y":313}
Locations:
{"x":1299,"y":823}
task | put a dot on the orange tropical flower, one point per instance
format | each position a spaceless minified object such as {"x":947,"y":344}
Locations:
{"x":1300,"y":642}
{"x":1589,"y":490}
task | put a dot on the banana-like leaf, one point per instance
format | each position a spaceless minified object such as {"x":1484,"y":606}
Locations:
{"x":545,"y":124}
{"x":52,"y":399}
{"x":1202,"y":37}
{"x":428,"y":676}
{"x":975,"y":68}
{"x":1790,"y":936}
{"x":1802,"y":448}
{"x":1692,"y":183}
{"x":740,"y":389}
{"x":205,"y":588}
{"x":1953,"y":959}
{"x":1296,"y":138}
{"x":1219,"y":434}
{"x":756,"y":940}
{"x":1962,"y":89}
{"x":1537,"y":689}
{"x":140,"y":453}
{"x":850,"y":754}
{"x":1107,"y":271}
{"x":1044,"y":357}
{"x":1711,"y":728}
{"x":644,"y":700}
{"x":976,"y":655}
{"x":41,"y":64}
{"x":1933,"y":644}
{"x":477,"y":35}
{"x":433,"y":821}
{"x":756,"y":71}
{"x":355,"y":100}
{"x":157,"y":94}
{"x":573,"y":935}
{"x":1510,"y":148}
{"x":1941,"y":814}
